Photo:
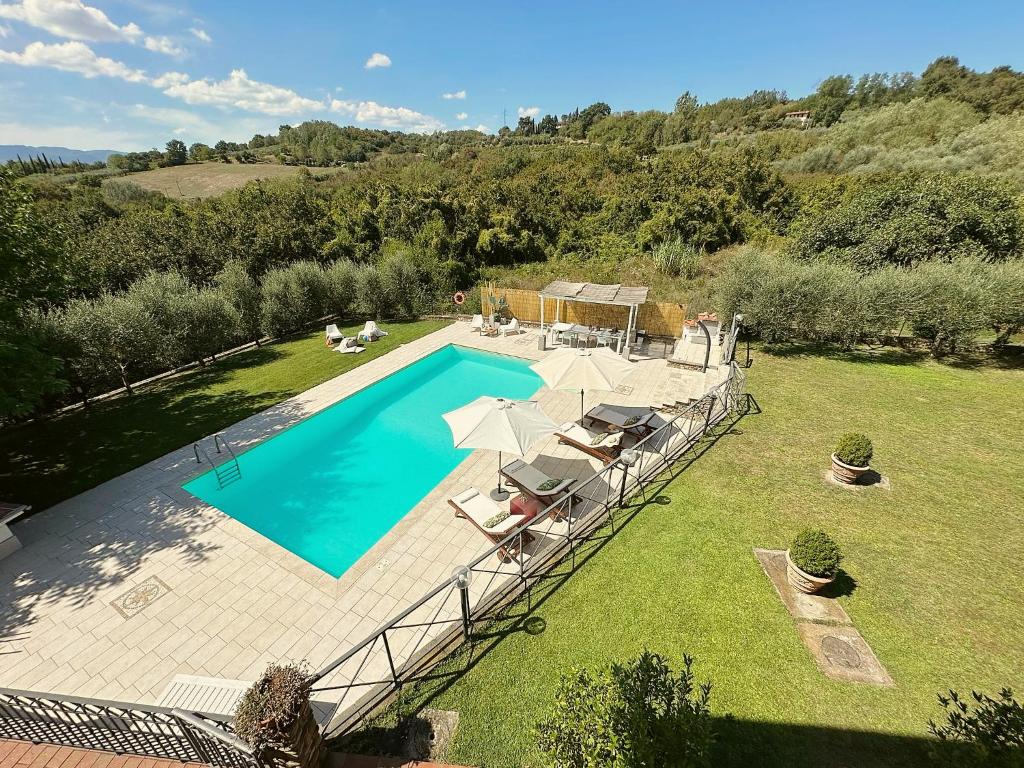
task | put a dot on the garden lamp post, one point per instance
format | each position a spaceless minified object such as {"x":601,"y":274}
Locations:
{"x":462,"y":577}
{"x":628,"y":457}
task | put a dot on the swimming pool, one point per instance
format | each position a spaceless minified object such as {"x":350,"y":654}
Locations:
{"x":328,"y":488}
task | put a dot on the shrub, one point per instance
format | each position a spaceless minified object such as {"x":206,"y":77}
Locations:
{"x":816,"y":553}
{"x":947,"y":303}
{"x":401,"y":283}
{"x":677,"y":259}
{"x":341,"y":279}
{"x":637,"y":714}
{"x":988,"y":733}
{"x":371,"y":292}
{"x":241,"y":290}
{"x":270,"y":706}
{"x":292,"y":297}
{"x":854,"y":449}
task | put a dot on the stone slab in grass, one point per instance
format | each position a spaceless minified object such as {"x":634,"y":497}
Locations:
{"x":842,"y":654}
{"x":800,"y":606}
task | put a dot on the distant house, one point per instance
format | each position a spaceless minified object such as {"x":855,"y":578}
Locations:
{"x":802,"y":116}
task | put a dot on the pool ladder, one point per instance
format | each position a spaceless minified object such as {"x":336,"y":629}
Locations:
{"x":226,"y":471}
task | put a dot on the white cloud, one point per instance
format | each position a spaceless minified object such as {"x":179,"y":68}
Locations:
{"x":72,"y":19}
{"x":378,"y":60}
{"x":164,"y":45}
{"x":243,"y":93}
{"x":460,"y":95}
{"x":397,"y":118}
{"x":5,"y":31}
{"x":72,"y":57}
{"x":167,"y":79}
{"x":482,"y":128}
{"x":201,"y":34}
{"x":461,"y":115}
{"x":529,"y":111}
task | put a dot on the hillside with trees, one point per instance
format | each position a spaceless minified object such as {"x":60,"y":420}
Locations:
{"x":895,"y":208}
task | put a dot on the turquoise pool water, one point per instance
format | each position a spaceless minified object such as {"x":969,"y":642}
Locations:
{"x":328,"y":488}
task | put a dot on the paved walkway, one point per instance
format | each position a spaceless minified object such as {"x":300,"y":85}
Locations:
{"x":121,"y":588}
{"x":24,"y":754}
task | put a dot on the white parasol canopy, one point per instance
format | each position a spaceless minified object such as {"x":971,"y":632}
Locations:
{"x":583,"y":369}
{"x":497,"y":424}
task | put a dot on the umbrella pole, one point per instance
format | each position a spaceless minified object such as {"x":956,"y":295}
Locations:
{"x":499,"y":493}
{"x":581,"y":407}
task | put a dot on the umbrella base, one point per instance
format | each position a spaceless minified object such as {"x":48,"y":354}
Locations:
{"x":499,"y":494}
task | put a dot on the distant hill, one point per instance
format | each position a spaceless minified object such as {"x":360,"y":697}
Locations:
{"x":11,"y":152}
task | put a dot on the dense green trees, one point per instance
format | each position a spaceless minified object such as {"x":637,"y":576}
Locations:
{"x":904,"y":219}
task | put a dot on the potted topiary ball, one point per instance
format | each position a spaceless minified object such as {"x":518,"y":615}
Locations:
{"x":812,"y":561}
{"x":852,"y":457}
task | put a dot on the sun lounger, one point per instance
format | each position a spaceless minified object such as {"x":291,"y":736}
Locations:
{"x":371,"y":332}
{"x":477,"y":323}
{"x":333,"y":334}
{"x":477,"y":507}
{"x":528,"y":479}
{"x":633,"y":419}
{"x":349,"y":346}
{"x":8,"y":514}
{"x":599,"y":444}
{"x":512,"y":326}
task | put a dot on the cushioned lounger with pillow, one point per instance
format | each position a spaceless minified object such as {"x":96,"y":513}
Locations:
{"x":635,"y":419}
{"x":476,"y":507}
{"x":534,"y":483}
{"x":371,"y":332}
{"x":601,"y":445}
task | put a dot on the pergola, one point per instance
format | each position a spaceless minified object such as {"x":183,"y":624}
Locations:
{"x":592,"y":293}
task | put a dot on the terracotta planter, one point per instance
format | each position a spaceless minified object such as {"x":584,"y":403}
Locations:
{"x":803,"y":581}
{"x":846,"y":473}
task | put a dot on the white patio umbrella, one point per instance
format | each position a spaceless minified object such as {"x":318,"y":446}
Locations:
{"x":497,"y":424}
{"x":583,"y":369}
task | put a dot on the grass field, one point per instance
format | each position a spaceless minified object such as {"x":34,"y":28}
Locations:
{"x":210,"y":179}
{"x":53,"y":459}
{"x":934,"y":565}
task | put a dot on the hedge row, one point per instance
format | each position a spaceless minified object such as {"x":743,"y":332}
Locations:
{"x":949,"y":304}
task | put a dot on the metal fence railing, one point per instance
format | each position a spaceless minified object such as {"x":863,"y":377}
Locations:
{"x":411,"y":643}
{"x":122,"y":728}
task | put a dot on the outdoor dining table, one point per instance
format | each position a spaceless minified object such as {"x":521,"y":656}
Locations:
{"x":581,"y":331}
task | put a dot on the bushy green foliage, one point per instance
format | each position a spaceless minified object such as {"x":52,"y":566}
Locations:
{"x":271,"y":705}
{"x":293,"y":297}
{"x":906,"y":219}
{"x":677,"y":259}
{"x":636,"y":714}
{"x":815,"y":553}
{"x":947,"y":304}
{"x":988,"y":732}
{"x":854,"y":449}
{"x":243,"y":293}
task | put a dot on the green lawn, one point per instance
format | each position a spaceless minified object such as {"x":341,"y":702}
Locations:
{"x":53,"y":459}
{"x":935,"y":562}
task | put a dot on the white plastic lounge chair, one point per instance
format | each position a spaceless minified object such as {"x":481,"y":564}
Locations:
{"x":371,"y":332}
{"x":601,"y":445}
{"x":349,"y":346}
{"x":512,"y":326}
{"x":477,"y":323}
{"x":475,"y":506}
{"x":333,"y":334}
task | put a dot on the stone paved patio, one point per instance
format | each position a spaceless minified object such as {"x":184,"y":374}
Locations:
{"x":126,"y":585}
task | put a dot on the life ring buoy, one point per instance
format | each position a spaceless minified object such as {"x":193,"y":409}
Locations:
{"x":459,"y":298}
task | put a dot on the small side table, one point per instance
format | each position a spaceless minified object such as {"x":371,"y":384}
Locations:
{"x":525,"y":506}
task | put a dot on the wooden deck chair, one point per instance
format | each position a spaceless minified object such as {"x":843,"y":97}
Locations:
{"x":475,"y":506}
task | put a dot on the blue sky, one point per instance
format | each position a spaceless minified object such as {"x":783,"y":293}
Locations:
{"x":130,"y":74}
